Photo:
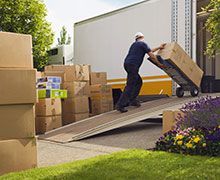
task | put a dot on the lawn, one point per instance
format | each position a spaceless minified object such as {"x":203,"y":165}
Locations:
{"x":132,"y":164}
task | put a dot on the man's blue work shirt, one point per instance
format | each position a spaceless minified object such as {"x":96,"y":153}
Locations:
{"x":136,"y":53}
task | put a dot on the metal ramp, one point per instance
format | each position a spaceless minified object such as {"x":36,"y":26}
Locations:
{"x":112,"y":120}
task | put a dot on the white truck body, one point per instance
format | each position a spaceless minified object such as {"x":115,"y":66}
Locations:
{"x":104,"y":41}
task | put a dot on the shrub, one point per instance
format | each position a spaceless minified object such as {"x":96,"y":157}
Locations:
{"x":202,"y":113}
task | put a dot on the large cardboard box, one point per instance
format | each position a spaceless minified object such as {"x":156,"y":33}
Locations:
{"x":45,"y":124}
{"x":75,"y":105}
{"x":101,"y":105}
{"x":17,"y":155}
{"x":48,"y":107}
{"x":15,"y":50}
{"x":169,"y":119}
{"x":73,"y":72}
{"x":101,"y":91}
{"x":69,"y":118}
{"x":17,"y":121}
{"x":98,"y":78}
{"x":182,"y":60}
{"x":77,"y":88}
{"x":18,"y":86}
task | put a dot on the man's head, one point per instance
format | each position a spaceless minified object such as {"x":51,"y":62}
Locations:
{"x":139,"y":36}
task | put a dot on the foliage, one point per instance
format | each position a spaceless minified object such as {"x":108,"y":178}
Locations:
{"x":132,"y":164}
{"x":202,"y":113}
{"x":191,"y":141}
{"x":28,"y":17}
{"x":63,"y":39}
{"x":213,"y":26}
{"x":197,"y":131}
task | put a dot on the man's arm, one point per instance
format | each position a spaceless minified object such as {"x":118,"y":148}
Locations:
{"x":158,"y":48}
{"x":155,"y":60}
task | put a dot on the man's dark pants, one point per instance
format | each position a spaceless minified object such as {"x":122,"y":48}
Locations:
{"x":133,"y":86}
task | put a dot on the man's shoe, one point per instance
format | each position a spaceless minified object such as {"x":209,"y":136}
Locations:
{"x":135,"y":103}
{"x":121,"y":109}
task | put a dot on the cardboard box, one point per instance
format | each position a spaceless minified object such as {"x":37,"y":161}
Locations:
{"x":60,"y":74}
{"x":48,"y":107}
{"x":98,"y":78}
{"x":38,"y":75}
{"x":182,"y":60}
{"x":101,"y":91}
{"x":17,"y":121}
{"x":45,"y":124}
{"x":15,"y":50}
{"x":69,"y":118}
{"x":48,"y":85}
{"x":73,"y":72}
{"x":50,"y":79}
{"x":52,"y":93}
{"x":17,"y":86}
{"x":101,"y":105}
{"x":77,"y":88}
{"x":169,"y":119}
{"x":75,"y":105}
{"x":17,"y":155}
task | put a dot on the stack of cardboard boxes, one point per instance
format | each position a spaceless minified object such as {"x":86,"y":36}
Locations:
{"x":48,"y":108}
{"x":75,"y":80}
{"x":101,"y":99}
{"x":17,"y":99}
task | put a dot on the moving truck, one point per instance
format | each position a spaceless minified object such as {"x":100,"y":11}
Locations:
{"x":103,"y":41}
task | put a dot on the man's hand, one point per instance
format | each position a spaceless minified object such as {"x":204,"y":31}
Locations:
{"x":162,"y":46}
{"x":162,"y":66}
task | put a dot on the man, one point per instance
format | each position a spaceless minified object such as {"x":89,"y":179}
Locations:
{"x":132,"y":63}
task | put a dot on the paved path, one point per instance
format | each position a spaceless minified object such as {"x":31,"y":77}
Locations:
{"x":138,"y":135}
{"x":53,"y":153}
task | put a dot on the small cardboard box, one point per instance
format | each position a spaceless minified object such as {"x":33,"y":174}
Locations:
{"x":182,"y":60}
{"x":169,"y":119}
{"x":45,"y":124}
{"x":69,"y":118}
{"x":18,"y":86}
{"x":101,"y":105}
{"x":50,"y":79}
{"x":48,"y":107}
{"x":75,"y":105}
{"x":52,"y":93}
{"x":17,"y":121}
{"x":98,"y":78}
{"x":73,"y":72}
{"x":17,"y":155}
{"x":15,"y":50}
{"x":60,"y":74}
{"x":39,"y":75}
{"x":48,"y":85}
{"x":77,"y":88}
{"x":101,"y":91}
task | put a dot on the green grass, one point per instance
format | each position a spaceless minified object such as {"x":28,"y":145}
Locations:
{"x":132,"y":164}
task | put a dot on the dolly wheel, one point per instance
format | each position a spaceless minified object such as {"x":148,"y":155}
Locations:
{"x":194,"y":92}
{"x":179,"y":92}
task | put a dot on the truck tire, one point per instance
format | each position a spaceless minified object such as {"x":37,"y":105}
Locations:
{"x":179,"y":92}
{"x":194,"y":92}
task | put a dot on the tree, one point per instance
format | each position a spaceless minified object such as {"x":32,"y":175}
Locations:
{"x":213,"y":26}
{"x":63,"y":37}
{"x":28,"y":17}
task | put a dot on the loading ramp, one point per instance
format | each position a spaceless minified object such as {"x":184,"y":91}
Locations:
{"x":112,"y":120}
